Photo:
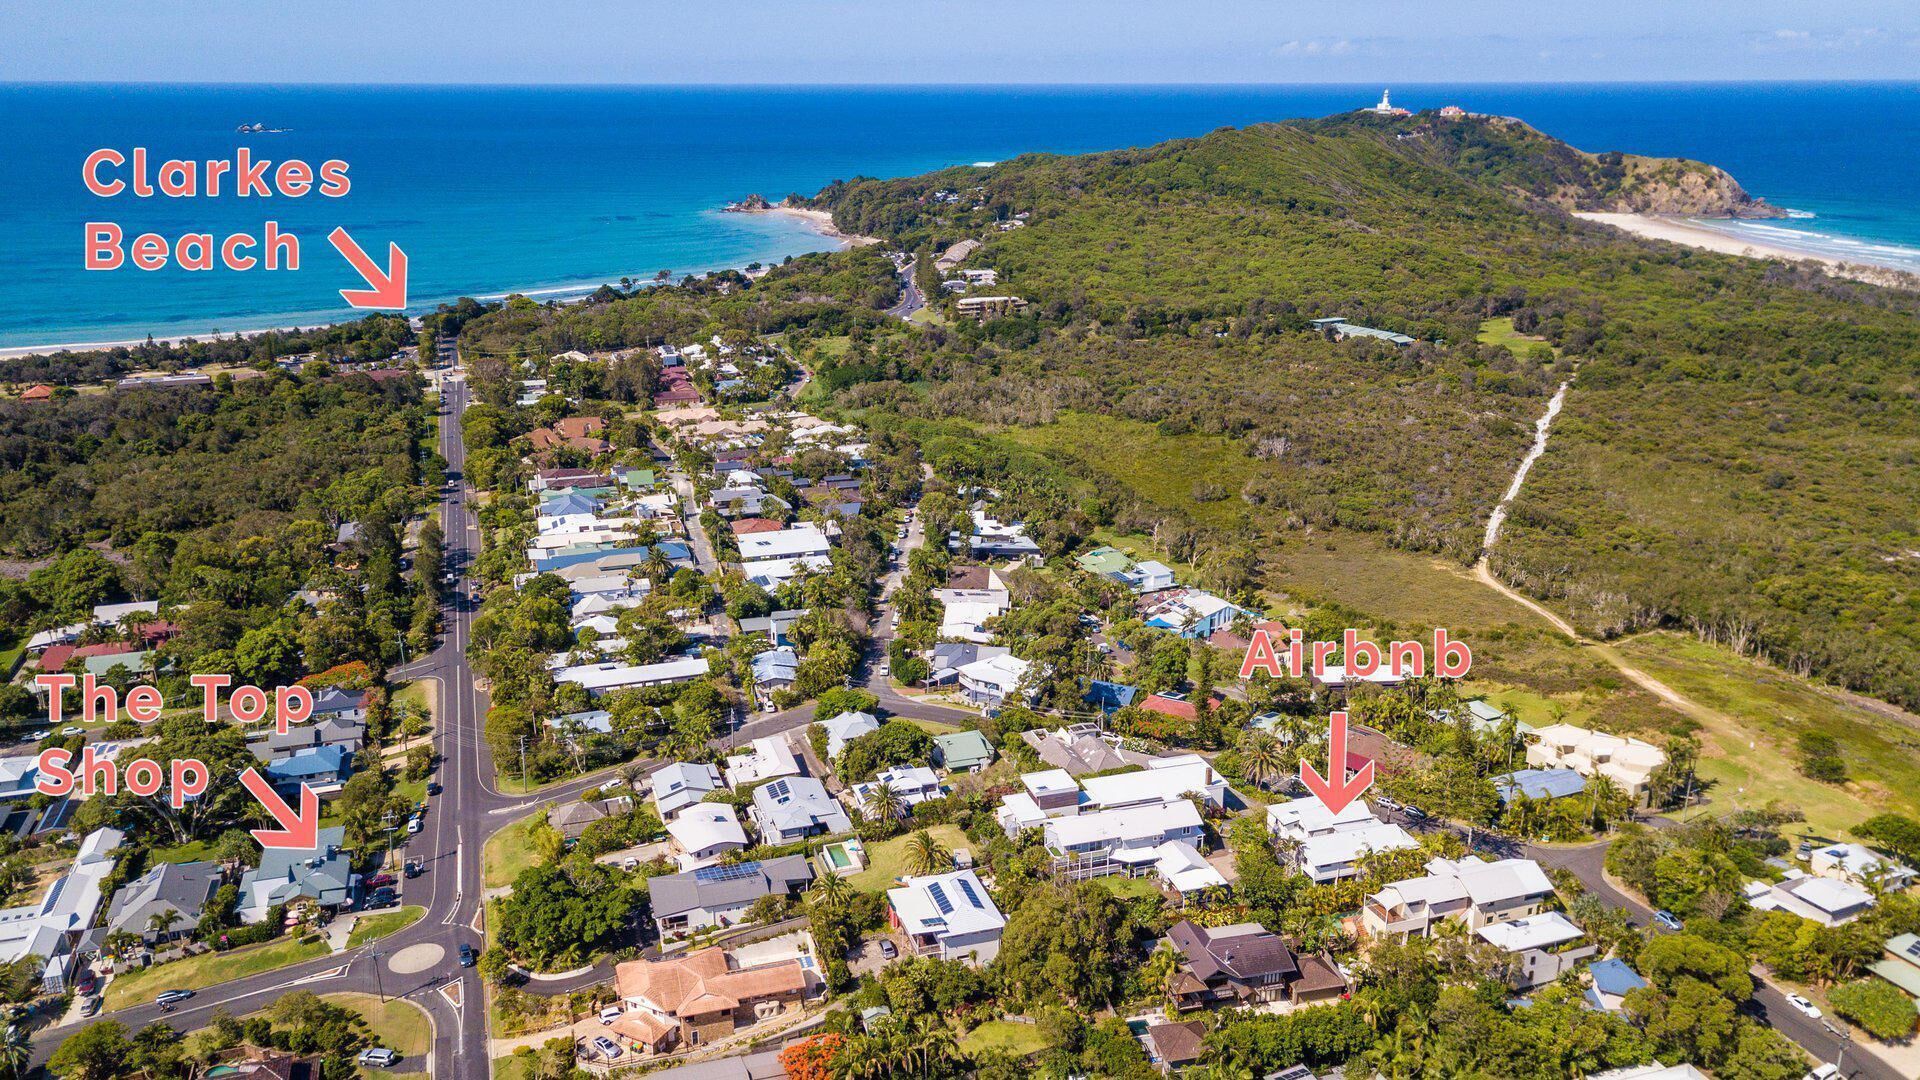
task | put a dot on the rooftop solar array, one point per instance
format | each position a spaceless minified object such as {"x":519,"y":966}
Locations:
{"x":727,"y":873}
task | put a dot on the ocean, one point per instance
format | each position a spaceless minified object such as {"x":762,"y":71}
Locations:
{"x":552,"y":191}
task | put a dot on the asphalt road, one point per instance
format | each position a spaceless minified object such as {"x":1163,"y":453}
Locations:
{"x":910,"y":298}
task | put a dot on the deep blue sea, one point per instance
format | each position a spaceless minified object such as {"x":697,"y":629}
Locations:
{"x":554,"y":190}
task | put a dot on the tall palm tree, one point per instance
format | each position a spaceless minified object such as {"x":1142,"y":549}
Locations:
{"x":882,"y":803}
{"x":832,"y":891}
{"x":924,"y":855}
{"x":1263,"y":758}
{"x":160,"y":923}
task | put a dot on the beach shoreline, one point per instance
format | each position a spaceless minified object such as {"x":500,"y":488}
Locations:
{"x":1682,"y":231}
{"x":820,"y":221}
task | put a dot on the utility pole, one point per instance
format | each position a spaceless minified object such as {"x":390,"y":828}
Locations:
{"x":523,"y":760}
{"x":377,"y":982}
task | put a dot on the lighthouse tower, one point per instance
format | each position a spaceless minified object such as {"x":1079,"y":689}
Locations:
{"x":1385,"y":108}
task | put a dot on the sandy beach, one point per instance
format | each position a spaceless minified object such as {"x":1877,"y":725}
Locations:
{"x":821,"y":222}
{"x":1682,"y":231}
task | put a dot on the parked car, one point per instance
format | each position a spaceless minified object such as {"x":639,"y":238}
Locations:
{"x":378,"y":1056}
{"x":170,"y":997}
{"x":609,"y":1014}
{"x":39,"y":735}
{"x":1669,"y":920}
{"x":469,"y":955}
{"x":1803,"y":1005}
{"x":72,"y":731}
{"x":1823,"y":1072}
{"x":87,"y":981}
{"x":433,"y":787}
{"x":411,"y":869}
{"x":89,"y":1005}
{"x":887,"y":949}
{"x":1382,"y":800}
{"x":414,"y":824}
{"x":381,"y":898}
{"x":630,"y":863}
{"x":379,"y":881}
{"x":607,"y":1047}
{"x":1413,"y":812}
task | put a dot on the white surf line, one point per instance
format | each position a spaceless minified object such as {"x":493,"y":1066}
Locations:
{"x":1540,"y":428}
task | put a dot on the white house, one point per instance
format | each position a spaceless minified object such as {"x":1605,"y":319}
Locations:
{"x":680,"y":785}
{"x":1860,"y":865}
{"x":794,"y":808}
{"x":1629,"y":763}
{"x":705,"y":831}
{"x":951,"y":916}
{"x":1336,"y":855}
{"x":845,"y":728}
{"x":990,"y":682}
{"x":766,"y":758}
{"x":964,"y":612}
{"x":1470,"y":891}
{"x":1128,"y":835}
{"x":1192,"y":613}
{"x":1168,"y":779}
{"x":1184,"y":870}
{"x":601,"y":678}
{"x":1827,"y":901}
{"x":50,"y":930}
{"x":794,"y":543}
{"x":1542,"y":946}
{"x":1307,"y":816}
{"x":913,"y":784}
{"x":1148,"y":576}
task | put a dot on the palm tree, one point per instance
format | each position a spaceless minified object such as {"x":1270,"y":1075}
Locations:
{"x":924,"y":855}
{"x":882,"y":803}
{"x":1263,"y":758}
{"x":832,"y":891}
{"x":16,"y":1052}
{"x":160,"y":923}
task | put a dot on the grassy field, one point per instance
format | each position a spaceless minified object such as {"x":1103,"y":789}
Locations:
{"x":1752,"y":760}
{"x":887,"y":859}
{"x":208,"y":969}
{"x":1165,"y":470}
{"x":1128,"y":888}
{"x":397,"y":1025}
{"x":423,"y":693}
{"x":191,"y":851}
{"x":374,"y":927}
{"x":1020,"y":1040}
{"x":1357,"y":571}
{"x":1501,"y":332}
{"x":508,"y":852}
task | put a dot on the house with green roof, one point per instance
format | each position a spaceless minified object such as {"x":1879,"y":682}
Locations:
{"x":963,"y":751}
{"x":1104,"y":561}
{"x":1901,"y":966}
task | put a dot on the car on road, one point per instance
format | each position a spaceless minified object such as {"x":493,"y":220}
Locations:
{"x":1802,"y":1005}
{"x":89,"y":1005}
{"x":609,"y":1014}
{"x":377,"y":1056}
{"x":433,"y":787}
{"x":39,"y":735}
{"x":469,"y":955}
{"x":1669,"y":920}
{"x":72,"y":731}
{"x":887,"y":949}
{"x":414,"y":824}
{"x":379,"y":881}
{"x":606,"y":1047}
{"x":1823,"y":1072}
{"x":171,"y":997}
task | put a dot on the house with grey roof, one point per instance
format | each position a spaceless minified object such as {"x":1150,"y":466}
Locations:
{"x":323,"y":874}
{"x":173,"y":894}
{"x":721,"y":895}
{"x":794,"y":808}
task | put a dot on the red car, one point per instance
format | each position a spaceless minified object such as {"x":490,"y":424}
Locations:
{"x":378,"y":881}
{"x":86,"y":984}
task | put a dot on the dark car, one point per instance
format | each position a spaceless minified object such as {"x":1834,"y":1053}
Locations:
{"x":468,"y":955}
{"x":412,"y":868}
{"x":380,"y":881}
{"x":381,"y":898}
{"x":1413,"y":812}
{"x":433,"y":787}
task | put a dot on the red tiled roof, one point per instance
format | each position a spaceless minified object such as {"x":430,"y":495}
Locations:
{"x":55,"y":657}
{"x":756,"y":525}
{"x":37,"y":392}
{"x":105,"y":648}
{"x":1169,"y":707}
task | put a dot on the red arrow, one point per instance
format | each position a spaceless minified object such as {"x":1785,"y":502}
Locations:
{"x":1338,"y":795}
{"x":389,"y":287}
{"x":297,"y":832}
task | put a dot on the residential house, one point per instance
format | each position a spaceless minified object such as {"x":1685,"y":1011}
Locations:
{"x":845,"y":728}
{"x":1827,"y":901}
{"x":721,"y":895}
{"x":1337,"y":328}
{"x":705,"y":831}
{"x":1613,"y":980}
{"x":333,"y":703}
{"x":1860,"y":865}
{"x":1173,"y":1046}
{"x":1109,"y":697}
{"x":51,"y":930}
{"x":1082,"y":748}
{"x":773,"y":627}
{"x":794,"y":808}
{"x":1337,"y":855}
{"x":1540,"y":947}
{"x":1194,"y":614}
{"x":1469,"y":891}
{"x":945,"y":660}
{"x":1629,"y":763}
{"x":982,"y":308}
{"x":1539,"y":784}
{"x":798,"y":542}
{"x":1246,"y":964}
{"x":681,"y":784}
{"x":322,"y":875}
{"x":1334,"y":682}
{"x":700,"y":998}
{"x":775,"y":669}
{"x":950,"y":916}
{"x":912,"y":784}
{"x":607,"y":676}
{"x":991,"y":539}
{"x":324,"y":769}
{"x":1306,"y":817}
{"x":1164,"y":780}
{"x":164,"y":903}
{"x":574,"y":728}
{"x":1184,"y":872}
{"x":1147,"y":577}
{"x":991,"y":682}
{"x":766,"y":759}
{"x":1901,"y":964}
{"x":575,"y":818}
{"x":965,"y":751}
{"x":1124,"y":841}
{"x":964,"y":612}
{"x":1103,"y":562}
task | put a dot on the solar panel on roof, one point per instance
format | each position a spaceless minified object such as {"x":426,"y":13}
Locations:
{"x":1914,"y":949}
{"x":972,"y":897}
{"x":727,"y":873}
{"x":1298,"y":1072}
{"x":940,"y":898}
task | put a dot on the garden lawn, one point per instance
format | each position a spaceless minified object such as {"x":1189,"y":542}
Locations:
{"x":380,"y":924}
{"x":508,"y":852}
{"x":208,"y":969}
{"x":1019,"y":1040}
{"x":887,"y":860}
{"x":397,"y":1025}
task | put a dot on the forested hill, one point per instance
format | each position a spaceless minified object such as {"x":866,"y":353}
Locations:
{"x":1737,"y":456}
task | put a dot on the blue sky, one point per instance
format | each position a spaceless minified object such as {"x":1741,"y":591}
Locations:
{"x":955,"y":41}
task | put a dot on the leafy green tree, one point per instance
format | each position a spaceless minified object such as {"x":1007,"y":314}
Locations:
{"x":1877,"y":1005}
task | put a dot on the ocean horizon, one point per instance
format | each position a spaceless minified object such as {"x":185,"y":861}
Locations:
{"x":552,"y":191}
